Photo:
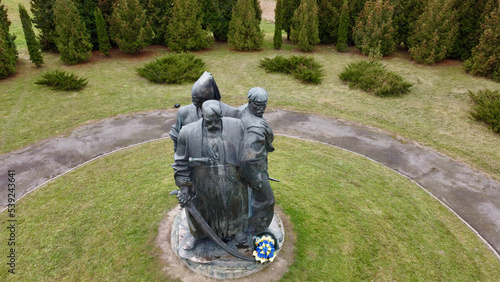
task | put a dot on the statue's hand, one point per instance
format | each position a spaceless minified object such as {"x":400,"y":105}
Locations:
{"x":255,"y":184}
{"x":183,"y":196}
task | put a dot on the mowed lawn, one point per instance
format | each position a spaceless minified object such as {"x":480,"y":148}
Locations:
{"x":353,"y":220}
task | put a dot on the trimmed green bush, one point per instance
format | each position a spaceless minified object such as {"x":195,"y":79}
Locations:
{"x":372,"y":76}
{"x":61,"y":80}
{"x":244,"y":30}
{"x":173,"y":69}
{"x":31,"y":41}
{"x":303,"y":68}
{"x":487,"y":108}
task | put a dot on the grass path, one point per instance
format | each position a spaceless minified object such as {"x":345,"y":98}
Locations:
{"x":354,"y":220}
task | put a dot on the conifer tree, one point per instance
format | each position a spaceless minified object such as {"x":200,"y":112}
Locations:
{"x":216,"y":15}
{"x":373,"y":33}
{"x":244,"y":31}
{"x":329,"y":20}
{"x":8,"y":52}
{"x":130,"y":27}
{"x":102,"y":32}
{"x":277,"y":38}
{"x":160,"y":14}
{"x":304,"y":30}
{"x":289,"y":8}
{"x":29,"y":35}
{"x":343,"y":29}
{"x":73,"y":41}
{"x":469,"y":18}
{"x":435,"y":32}
{"x":406,"y":13}
{"x":258,"y":10}
{"x":43,"y":19}
{"x":86,"y":9}
{"x":184,"y":33}
{"x":485,"y":58}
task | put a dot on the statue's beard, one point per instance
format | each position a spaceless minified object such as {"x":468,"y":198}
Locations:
{"x":213,"y":127}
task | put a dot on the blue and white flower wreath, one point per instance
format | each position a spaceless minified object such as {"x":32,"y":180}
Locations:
{"x":264,"y":248}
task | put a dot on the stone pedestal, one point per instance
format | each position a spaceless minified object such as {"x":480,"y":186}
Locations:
{"x":210,"y":260}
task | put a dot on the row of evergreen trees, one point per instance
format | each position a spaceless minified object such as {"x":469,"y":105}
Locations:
{"x":431,"y":30}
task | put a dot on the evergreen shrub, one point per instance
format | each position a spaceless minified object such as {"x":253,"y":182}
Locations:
{"x":173,"y":69}
{"x":303,"y":68}
{"x":487,"y":108}
{"x":372,"y":76}
{"x":61,"y":80}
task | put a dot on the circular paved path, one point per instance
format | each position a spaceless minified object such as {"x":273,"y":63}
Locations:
{"x":470,"y":194}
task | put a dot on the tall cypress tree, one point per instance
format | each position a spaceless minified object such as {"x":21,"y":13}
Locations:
{"x":130,"y":27}
{"x":86,"y":9}
{"x":160,"y":14}
{"x":406,"y":13}
{"x":373,"y":33}
{"x":73,"y":40}
{"x":435,"y":32}
{"x":216,"y":15}
{"x":29,"y":35}
{"x":289,"y":7}
{"x":329,"y":20}
{"x":343,"y":29}
{"x":8,"y":52}
{"x":244,"y":31}
{"x":485,"y":58}
{"x":304,"y":31}
{"x":184,"y":33}
{"x":102,"y":32}
{"x":278,"y":17}
{"x":43,"y":19}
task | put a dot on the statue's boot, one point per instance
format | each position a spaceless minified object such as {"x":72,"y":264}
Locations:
{"x":190,"y":243}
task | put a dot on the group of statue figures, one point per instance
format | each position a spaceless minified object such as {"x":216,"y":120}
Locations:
{"x":220,"y":164}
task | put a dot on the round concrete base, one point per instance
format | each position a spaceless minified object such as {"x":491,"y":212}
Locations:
{"x":210,"y":260}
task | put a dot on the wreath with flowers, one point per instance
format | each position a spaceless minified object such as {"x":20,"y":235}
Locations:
{"x":264,"y":247}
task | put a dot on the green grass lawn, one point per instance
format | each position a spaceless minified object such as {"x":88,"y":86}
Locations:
{"x":354,"y":220}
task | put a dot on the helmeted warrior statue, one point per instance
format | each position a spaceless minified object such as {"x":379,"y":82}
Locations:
{"x":204,"y":89}
{"x":206,"y":165}
{"x":257,"y":145}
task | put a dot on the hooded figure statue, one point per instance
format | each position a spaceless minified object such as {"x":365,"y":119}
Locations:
{"x":204,"y":89}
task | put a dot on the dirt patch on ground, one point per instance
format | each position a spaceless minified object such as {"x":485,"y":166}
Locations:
{"x":267,"y":10}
